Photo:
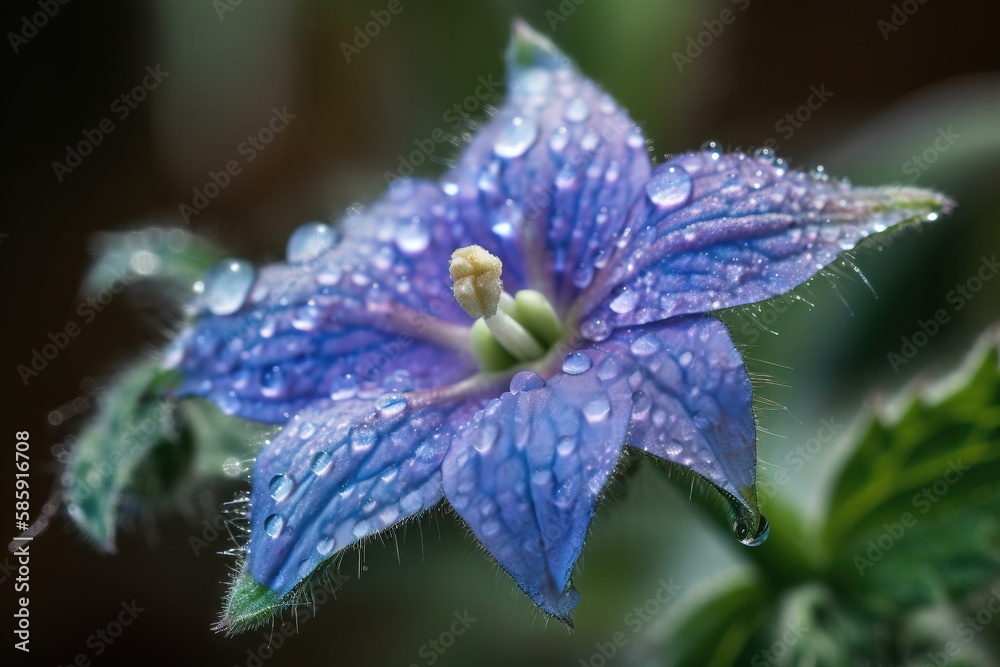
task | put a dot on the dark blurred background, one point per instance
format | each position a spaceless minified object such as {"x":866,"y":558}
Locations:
{"x":894,"y":78}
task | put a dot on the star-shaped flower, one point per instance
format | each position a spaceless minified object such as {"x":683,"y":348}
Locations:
{"x":496,"y":338}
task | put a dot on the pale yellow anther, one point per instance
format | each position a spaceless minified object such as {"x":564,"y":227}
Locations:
{"x":476,"y":276}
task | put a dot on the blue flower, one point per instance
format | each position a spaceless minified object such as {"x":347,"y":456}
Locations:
{"x":495,"y":339}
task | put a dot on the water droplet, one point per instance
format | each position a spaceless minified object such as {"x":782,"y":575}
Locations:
{"x":390,"y":405}
{"x":669,"y":188}
{"x":362,"y":439}
{"x":685,"y":359}
{"x":399,"y":381}
{"x":625,"y":302}
{"x":232,"y":467}
{"x":325,"y":546}
{"x":310,"y":241}
{"x":577,"y":111}
{"x":485,"y":436}
{"x":609,"y":369}
{"x":559,"y":140}
{"x":273,"y":525}
{"x":526,"y":381}
{"x":590,"y":140}
{"x":641,"y":404}
{"x":517,"y":137}
{"x":765,"y":155}
{"x":307,"y":318}
{"x":145,"y":263}
{"x":712,"y":147}
{"x":491,"y":528}
{"x":330,"y":274}
{"x":450,"y":188}
{"x":321,"y":462}
{"x":566,"y":445}
{"x":227,"y":284}
{"x":343,"y":388}
{"x":583,"y":275}
{"x":174,"y":353}
{"x":576,"y":363}
{"x":541,"y":477}
{"x":751,"y":538}
{"x":597,"y":410}
{"x":413,"y":236}
{"x":819,"y":173}
{"x":645,"y":345}
{"x":401,"y":189}
{"x":307,"y":430}
{"x":487,"y":181}
{"x":595,"y":330}
{"x":272,"y":382}
{"x":280,"y":486}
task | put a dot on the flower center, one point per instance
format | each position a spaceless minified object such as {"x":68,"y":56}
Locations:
{"x":508,"y":329}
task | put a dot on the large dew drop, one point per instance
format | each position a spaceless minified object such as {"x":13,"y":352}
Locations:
{"x":273,"y":525}
{"x":517,"y":137}
{"x":413,"y":236}
{"x":576,"y":363}
{"x":669,"y":188}
{"x":310,"y":241}
{"x":227,"y":285}
{"x":280,"y":486}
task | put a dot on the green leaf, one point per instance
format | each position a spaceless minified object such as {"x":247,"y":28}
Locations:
{"x":144,"y":448}
{"x":171,"y":254}
{"x":129,"y":424}
{"x":914,"y":517}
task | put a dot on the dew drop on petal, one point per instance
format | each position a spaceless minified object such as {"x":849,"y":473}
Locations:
{"x":669,"y":188}
{"x":577,"y":111}
{"x":362,"y":439}
{"x":576,"y":363}
{"x":597,"y":410}
{"x":609,"y":369}
{"x":310,"y":241}
{"x":485,"y":437}
{"x":645,"y":345}
{"x":595,"y":330}
{"x":641,"y":404}
{"x":413,"y":236}
{"x":329,"y":274}
{"x":325,"y":546}
{"x":517,"y":137}
{"x":559,"y":140}
{"x":526,"y":381}
{"x":321,"y":462}
{"x":625,"y":302}
{"x":273,"y":525}
{"x":227,"y":284}
{"x":399,"y":381}
{"x":390,"y":405}
{"x":307,"y":430}
{"x":712,"y":147}
{"x":272,"y":382}
{"x":566,"y":445}
{"x":280,"y":486}
{"x":583,"y":275}
{"x":765,"y":155}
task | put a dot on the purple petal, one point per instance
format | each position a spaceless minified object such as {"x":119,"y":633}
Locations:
{"x":344,"y":470}
{"x":374,"y":311}
{"x":531,"y":469}
{"x":692,"y":403}
{"x":548,"y":181}
{"x":716,"y":231}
